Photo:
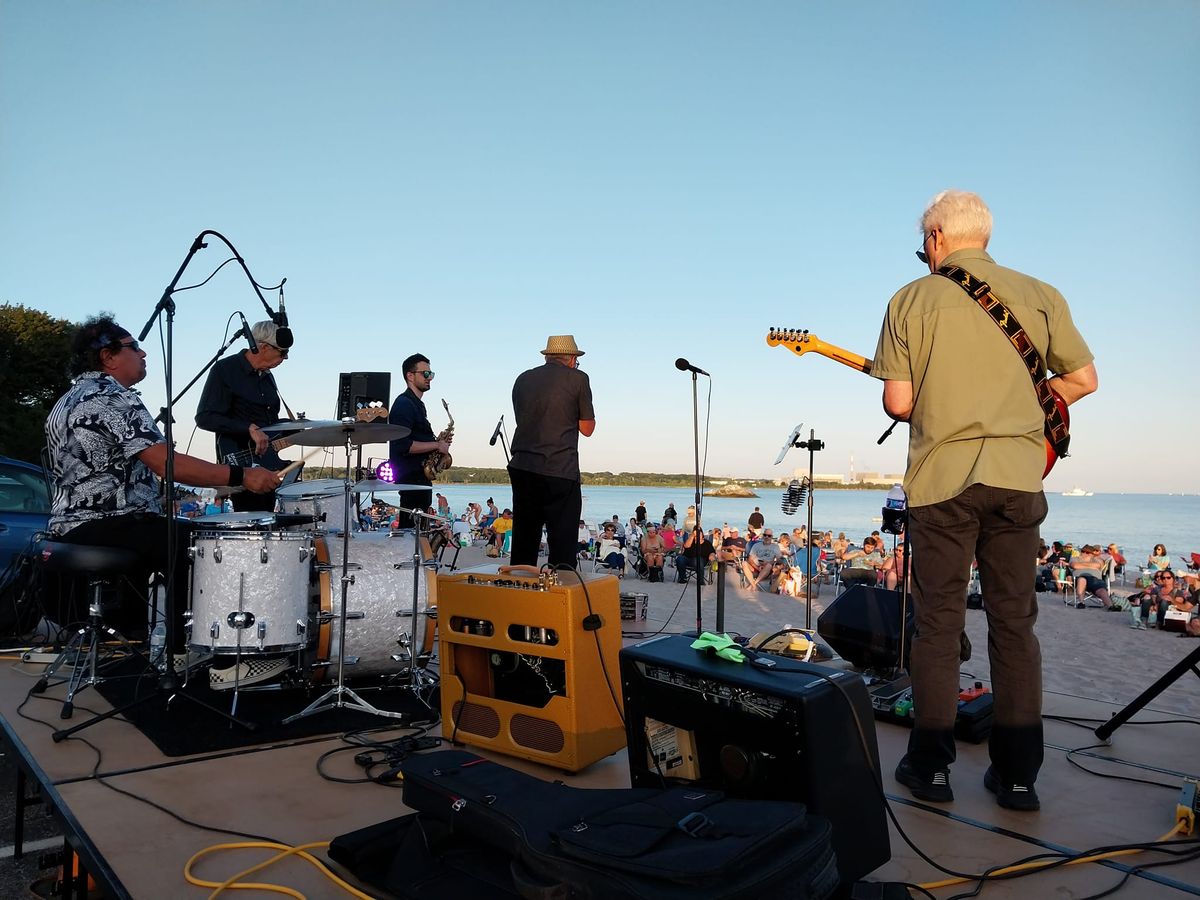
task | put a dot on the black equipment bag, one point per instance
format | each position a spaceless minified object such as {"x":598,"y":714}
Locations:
{"x":417,"y":858}
{"x":570,"y":842}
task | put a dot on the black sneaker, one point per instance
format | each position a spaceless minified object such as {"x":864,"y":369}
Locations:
{"x":935,"y":789}
{"x":1020,"y":797}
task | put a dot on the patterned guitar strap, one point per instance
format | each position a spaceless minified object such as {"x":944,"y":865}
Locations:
{"x":1055,"y":428}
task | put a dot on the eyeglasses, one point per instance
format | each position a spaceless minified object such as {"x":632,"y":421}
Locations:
{"x":282,"y":351}
{"x":131,"y":345}
{"x":426,"y":374}
{"x":921,"y":254}
{"x":1166,"y":578}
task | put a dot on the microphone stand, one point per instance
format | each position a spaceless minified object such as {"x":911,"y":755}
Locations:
{"x":208,"y":365}
{"x":812,"y":445}
{"x":698,"y":529}
{"x":168,"y":682}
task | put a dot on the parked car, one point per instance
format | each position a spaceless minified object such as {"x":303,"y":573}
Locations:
{"x":24,"y":507}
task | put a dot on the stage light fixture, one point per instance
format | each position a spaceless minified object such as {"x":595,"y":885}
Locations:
{"x":385,"y":472}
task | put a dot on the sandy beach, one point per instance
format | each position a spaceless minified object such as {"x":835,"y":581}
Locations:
{"x":1090,"y":653}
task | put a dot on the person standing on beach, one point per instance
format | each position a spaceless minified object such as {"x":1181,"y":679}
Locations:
{"x":975,"y":459}
{"x":553,"y":406}
{"x":754,"y":525}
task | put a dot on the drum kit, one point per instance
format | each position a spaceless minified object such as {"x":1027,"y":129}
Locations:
{"x":306,"y":581}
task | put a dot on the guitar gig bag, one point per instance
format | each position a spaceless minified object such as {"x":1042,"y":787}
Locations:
{"x":681,"y":842}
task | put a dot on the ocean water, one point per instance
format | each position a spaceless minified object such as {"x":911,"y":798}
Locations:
{"x":1134,"y":522}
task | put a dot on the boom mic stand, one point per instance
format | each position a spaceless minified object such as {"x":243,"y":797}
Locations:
{"x":812,"y":445}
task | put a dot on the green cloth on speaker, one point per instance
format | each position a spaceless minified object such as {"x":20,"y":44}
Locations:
{"x":721,"y":644}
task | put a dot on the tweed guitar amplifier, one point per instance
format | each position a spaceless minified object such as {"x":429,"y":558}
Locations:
{"x":529,"y":664}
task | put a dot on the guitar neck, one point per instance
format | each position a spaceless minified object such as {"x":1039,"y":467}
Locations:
{"x":801,"y":342}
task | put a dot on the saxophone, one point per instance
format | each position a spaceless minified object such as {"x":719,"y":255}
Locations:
{"x":438,"y":462}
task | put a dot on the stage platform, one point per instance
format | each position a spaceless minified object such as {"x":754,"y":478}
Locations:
{"x":134,"y":850}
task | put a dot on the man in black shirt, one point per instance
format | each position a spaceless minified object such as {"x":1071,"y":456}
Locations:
{"x":639,"y":514}
{"x":240,"y":396}
{"x":553,"y":406}
{"x":695,"y":555}
{"x":756,"y":522}
{"x":408,"y":454}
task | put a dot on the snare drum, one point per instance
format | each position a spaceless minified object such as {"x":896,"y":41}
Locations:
{"x":324,"y":500}
{"x":384,"y":594}
{"x":249,"y":590}
{"x":234,"y":521}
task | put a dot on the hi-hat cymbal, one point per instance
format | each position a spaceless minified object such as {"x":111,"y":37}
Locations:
{"x":288,"y":426}
{"x":376,"y":485}
{"x":354,"y":432}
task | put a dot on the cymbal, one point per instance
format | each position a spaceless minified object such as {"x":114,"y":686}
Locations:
{"x":373,"y":485}
{"x":288,"y":426}
{"x":356,"y":432}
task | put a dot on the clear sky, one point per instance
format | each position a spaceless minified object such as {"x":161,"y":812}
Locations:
{"x":660,"y":179}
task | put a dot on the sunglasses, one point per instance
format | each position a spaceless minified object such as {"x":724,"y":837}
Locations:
{"x":129,"y":345}
{"x":426,"y":374}
{"x":921,"y":254}
{"x":282,"y":351}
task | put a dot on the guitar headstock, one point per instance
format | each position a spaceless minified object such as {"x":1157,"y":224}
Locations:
{"x":371,"y":414}
{"x":799,"y":341}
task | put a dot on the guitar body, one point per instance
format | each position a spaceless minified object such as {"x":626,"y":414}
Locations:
{"x":801,"y":342}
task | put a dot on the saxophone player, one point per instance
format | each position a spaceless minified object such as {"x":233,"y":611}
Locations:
{"x":408,"y":455}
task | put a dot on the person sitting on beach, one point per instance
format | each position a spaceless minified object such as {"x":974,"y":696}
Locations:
{"x":759,"y":560}
{"x":862,"y":566}
{"x":1159,"y":559}
{"x":695,"y":555}
{"x":620,"y":530}
{"x":583,"y":540}
{"x":461,"y":530}
{"x":653,"y":552}
{"x":840,"y":546}
{"x":608,"y":549}
{"x":670,"y":538}
{"x":717,"y":539}
{"x":1155,"y":601}
{"x":1087,"y":571}
{"x":633,"y":534}
{"x":893,"y":568}
{"x":500,"y":529}
{"x":733,"y":547}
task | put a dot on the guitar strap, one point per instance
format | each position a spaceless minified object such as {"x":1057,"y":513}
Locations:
{"x":279,"y":393}
{"x":979,"y":290}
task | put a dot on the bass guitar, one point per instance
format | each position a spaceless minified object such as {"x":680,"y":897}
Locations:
{"x":801,"y":342}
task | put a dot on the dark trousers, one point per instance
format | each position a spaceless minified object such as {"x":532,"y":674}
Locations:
{"x":999,"y":528}
{"x":542,"y":500}
{"x":420,"y":500}
{"x":145,"y":534}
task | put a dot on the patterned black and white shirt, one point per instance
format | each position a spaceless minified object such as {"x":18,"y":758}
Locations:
{"x":94,"y":434}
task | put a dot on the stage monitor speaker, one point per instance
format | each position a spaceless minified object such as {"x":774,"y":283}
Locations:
{"x":792,"y":732}
{"x":863,"y":626}
{"x":529,"y":664}
{"x":362,"y":390}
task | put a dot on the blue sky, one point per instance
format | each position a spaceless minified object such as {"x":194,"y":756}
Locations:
{"x":660,"y":179}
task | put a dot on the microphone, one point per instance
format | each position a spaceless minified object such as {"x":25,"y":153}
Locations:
{"x":496,"y":433}
{"x":684,"y":366}
{"x":794,"y":495}
{"x":283,"y":335}
{"x":249,"y":335}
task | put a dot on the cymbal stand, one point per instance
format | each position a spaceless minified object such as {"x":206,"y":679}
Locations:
{"x":340,"y":696}
{"x":419,"y":679}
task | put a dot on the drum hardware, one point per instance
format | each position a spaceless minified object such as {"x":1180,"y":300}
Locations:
{"x":353,"y":434}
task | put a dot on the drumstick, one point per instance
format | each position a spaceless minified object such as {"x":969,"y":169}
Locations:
{"x":227,"y":491}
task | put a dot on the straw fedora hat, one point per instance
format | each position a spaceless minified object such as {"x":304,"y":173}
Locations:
{"x":561,"y":345}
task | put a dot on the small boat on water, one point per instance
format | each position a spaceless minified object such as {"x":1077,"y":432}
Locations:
{"x":1078,"y":492}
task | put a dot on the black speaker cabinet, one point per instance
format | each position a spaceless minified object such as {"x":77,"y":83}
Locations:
{"x":362,"y":390}
{"x":785,"y":733}
{"x":863,"y":626}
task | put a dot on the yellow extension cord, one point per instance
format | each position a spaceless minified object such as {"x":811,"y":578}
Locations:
{"x":234,"y":882}
{"x":1180,"y":826}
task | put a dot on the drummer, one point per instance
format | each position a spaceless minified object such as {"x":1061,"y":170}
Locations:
{"x":408,"y":454}
{"x":105,"y":450}
{"x":240,"y":397}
